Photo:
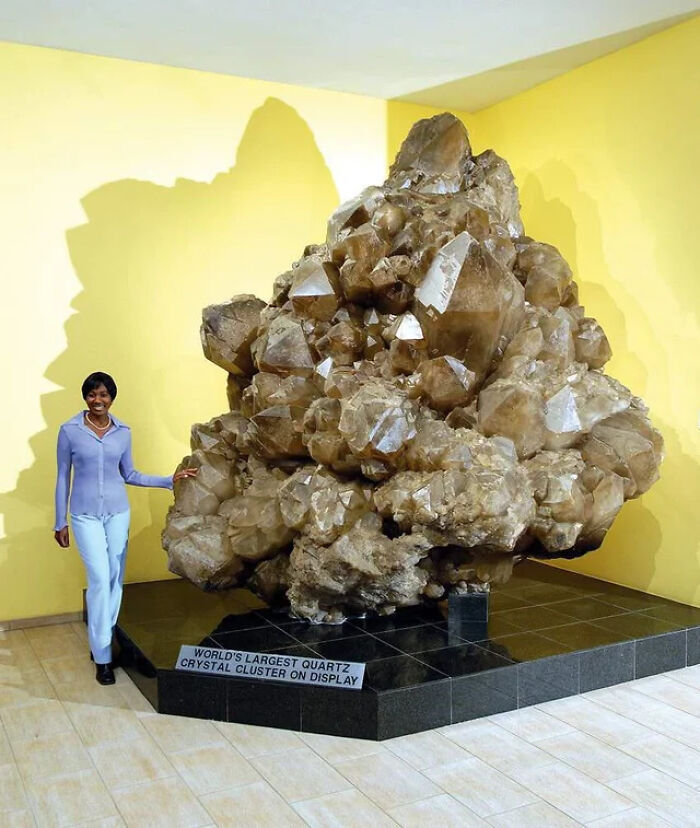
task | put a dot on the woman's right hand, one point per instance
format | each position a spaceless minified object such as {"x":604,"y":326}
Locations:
{"x":62,"y":537}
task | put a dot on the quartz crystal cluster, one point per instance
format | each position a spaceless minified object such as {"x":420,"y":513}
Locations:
{"x":421,"y":403}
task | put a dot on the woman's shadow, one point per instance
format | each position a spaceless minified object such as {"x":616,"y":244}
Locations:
{"x":150,"y":258}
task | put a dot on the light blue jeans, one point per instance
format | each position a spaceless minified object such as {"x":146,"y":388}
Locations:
{"x":102,"y":542}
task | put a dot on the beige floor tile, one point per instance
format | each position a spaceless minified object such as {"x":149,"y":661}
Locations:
{"x":675,"y":693}
{"x":69,"y":669}
{"x":301,"y":774}
{"x":6,"y":756}
{"x":592,"y":757}
{"x":676,"y":724}
{"x":336,"y":748}
{"x":100,"y":725}
{"x":18,"y":819}
{"x":441,"y":810}
{"x":127,"y":763}
{"x":79,"y":629}
{"x":666,"y":797}
{"x":213,"y":768}
{"x":387,"y":780}
{"x":60,"y":647}
{"x":56,"y":620}
{"x":134,"y":698}
{"x":175,"y":733}
{"x":531,"y":724}
{"x":480,"y":787}
{"x":634,"y":818}
{"x":41,"y":718}
{"x":539,"y":815}
{"x":163,"y":803}
{"x":90,"y":692}
{"x":121,"y":677}
{"x":345,"y":809}
{"x":425,"y":750}
{"x":251,"y":741}
{"x":499,"y":747}
{"x":47,"y":632}
{"x":25,"y":688}
{"x":22,"y":659}
{"x":595,"y":720}
{"x":571,"y":791}
{"x":12,"y":796}
{"x":71,"y":798}
{"x":689,"y":676}
{"x":669,"y":756}
{"x":251,"y":806}
{"x":107,"y":822}
{"x":53,"y":755}
{"x":12,"y":639}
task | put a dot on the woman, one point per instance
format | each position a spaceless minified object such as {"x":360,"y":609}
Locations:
{"x":98,"y":447}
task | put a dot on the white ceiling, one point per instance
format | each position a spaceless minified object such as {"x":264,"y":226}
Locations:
{"x":464,"y":54}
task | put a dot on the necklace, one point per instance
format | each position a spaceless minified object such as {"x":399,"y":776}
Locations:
{"x":94,"y":425}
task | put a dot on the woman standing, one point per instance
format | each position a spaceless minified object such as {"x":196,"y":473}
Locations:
{"x":98,"y":447}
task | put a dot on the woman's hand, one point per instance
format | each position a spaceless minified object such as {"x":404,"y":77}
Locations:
{"x":62,"y":537}
{"x":183,"y":473}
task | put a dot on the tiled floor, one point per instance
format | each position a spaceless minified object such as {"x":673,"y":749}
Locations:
{"x":75,"y":753}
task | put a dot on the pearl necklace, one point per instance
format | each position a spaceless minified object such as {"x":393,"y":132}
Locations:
{"x":94,"y":425}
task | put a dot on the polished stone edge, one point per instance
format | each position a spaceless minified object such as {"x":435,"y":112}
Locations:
{"x":378,"y":715}
{"x":660,"y":653}
{"x":606,"y":666}
{"x":139,"y":669}
{"x":693,"y":644}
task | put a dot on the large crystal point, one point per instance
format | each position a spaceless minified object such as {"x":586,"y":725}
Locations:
{"x":468,"y":303}
{"x":434,"y":158}
{"x":421,"y":404}
{"x":228,"y":331}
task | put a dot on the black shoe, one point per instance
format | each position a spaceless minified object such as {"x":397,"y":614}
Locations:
{"x":104,"y":674}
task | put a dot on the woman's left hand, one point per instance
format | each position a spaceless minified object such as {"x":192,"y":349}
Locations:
{"x":180,"y":475}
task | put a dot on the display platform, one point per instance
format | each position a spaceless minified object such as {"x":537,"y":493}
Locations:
{"x":550,"y":634}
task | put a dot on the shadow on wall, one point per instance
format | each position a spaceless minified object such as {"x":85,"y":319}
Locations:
{"x":149,"y":258}
{"x":667,"y":514}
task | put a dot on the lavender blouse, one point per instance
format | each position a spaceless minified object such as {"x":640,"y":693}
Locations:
{"x":100,"y":469}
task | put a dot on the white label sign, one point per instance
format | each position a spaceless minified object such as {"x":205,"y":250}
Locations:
{"x":271,"y":667}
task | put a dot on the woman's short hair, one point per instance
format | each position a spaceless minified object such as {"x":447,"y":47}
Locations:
{"x":95,"y":380}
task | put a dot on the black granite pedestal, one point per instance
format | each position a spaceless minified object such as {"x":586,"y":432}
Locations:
{"x":549,"y":634}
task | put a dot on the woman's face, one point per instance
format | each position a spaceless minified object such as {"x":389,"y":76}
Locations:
{"x":98,"y":401}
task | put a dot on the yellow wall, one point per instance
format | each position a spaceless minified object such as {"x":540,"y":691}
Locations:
{"x":607,"y":158}
{"x":133,"y":195}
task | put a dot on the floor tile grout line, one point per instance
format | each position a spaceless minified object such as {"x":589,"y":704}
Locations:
{"x":663,"y":701}
{"x":647,"y":725}
{"x":556,"y":759}
{"x":654,"y":770}
{"x":278,"y":792}
{"x":602,"y":744}
{"x":625,"y":686}
{"x":354,"y":788}
{"x":94,"y":765}
{"x":23,"y":782}
{"x":403,"y":762}
{"x":541,"y":799}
